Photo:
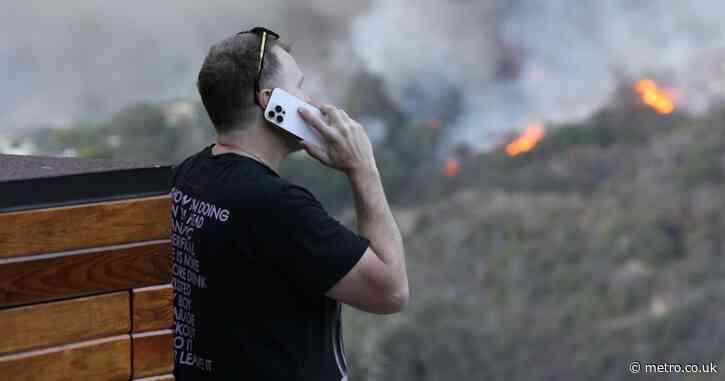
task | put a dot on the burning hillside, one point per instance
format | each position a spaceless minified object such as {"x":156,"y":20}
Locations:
{"x":661,"y":100}
{"x":604,"y":240}
{"x":531,"y":136}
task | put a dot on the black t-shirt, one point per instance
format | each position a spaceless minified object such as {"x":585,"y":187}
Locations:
{"x":252,"y":256}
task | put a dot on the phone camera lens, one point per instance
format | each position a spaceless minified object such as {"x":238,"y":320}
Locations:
{"x":280,"y":119}
{"x":271,"y":114}
{"x":278,"y":108}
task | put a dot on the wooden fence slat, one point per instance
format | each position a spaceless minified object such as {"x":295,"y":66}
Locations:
{"x":101,"y":359}
{"x":72,"y":320}
{"x":152,"y":353}
{"x":35,"y":280}
{"x":82,"y":226}
{"x":152,"y":308}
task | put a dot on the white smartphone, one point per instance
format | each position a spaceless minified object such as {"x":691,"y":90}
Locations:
{"x":282,"y":112}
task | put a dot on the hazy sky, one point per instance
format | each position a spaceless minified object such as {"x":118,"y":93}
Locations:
{"x":76,"y":58}
{"x":513,"y":60}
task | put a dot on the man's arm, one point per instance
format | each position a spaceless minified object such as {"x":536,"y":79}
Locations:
{"x":375,"y":221}
{"x":379,"y":282}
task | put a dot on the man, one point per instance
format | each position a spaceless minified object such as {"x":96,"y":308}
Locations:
{"x":259,"y":268}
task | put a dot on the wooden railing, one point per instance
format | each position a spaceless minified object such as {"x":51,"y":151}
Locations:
{"x":85,"y":292}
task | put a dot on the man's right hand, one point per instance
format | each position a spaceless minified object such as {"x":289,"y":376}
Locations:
{"x":348,"y":146}
{"x":379,"y":281}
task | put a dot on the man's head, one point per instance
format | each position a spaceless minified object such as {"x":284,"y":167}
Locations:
{"x":226,"y":79}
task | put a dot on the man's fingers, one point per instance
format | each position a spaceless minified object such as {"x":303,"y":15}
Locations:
{"x":333,"y":113}
{"x":316,"y":123}
{"x":345,"y":116}
{"x":316,"y":152}
{"x":339,"y":120}
{"x":315,"y":103}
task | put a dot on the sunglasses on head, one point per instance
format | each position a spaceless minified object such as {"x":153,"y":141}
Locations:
{"x":263,"y":34}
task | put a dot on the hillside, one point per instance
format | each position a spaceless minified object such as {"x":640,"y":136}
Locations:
{"x":602,"y":246}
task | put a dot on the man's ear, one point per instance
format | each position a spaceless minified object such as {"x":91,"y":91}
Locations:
{"x":263,"y":97}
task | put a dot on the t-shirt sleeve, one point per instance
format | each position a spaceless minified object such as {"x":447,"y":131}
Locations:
{"x":310,"y":247}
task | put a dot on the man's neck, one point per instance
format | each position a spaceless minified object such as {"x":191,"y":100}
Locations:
{"x":258,"y":142}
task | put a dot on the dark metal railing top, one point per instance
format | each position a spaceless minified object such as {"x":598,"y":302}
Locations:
{"x":29,"y":182}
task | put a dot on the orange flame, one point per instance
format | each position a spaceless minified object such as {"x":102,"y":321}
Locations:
{"x":527,"y":140}
{"x":451,"y":167}
{"x":434,"y":124}
{"x":653,"y":96}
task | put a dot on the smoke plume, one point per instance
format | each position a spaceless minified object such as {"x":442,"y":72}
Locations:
{"x":522,"y":61}
{"x":87,"y":58}
{"x":483,"y":67}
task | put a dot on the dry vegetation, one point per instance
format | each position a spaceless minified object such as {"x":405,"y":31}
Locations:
{"x":602,"y":246}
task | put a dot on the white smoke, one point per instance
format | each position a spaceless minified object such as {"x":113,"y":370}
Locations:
{"x":88,"y":58}
{"x":507,"y":61}
{"x":517,"y":61}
